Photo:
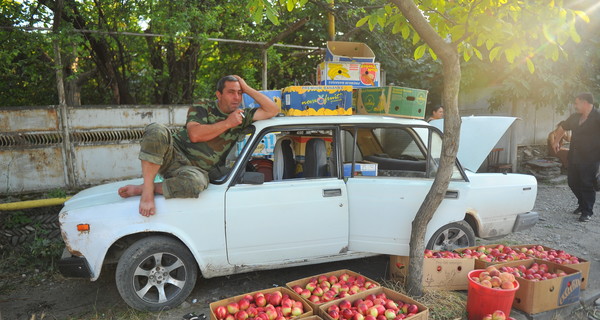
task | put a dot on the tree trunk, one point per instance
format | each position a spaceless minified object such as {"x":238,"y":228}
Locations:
{"x":448,"y":54}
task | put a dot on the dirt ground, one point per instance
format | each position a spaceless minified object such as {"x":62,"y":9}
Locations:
{"x":61,"y":298}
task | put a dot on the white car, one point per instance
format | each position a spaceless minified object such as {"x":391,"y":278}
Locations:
{"x":304,"y":206}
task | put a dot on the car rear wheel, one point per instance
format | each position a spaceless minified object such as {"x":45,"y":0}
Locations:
{"x":452,"y":236}
{"x":156,"y":273}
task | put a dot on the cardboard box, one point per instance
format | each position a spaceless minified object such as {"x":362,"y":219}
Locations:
{"x":275,"y":95}
{"x":544,"y":295}
{"x":392,"y":101}
{"x":438,"y":273}
{"x":317,"y":100}
{"x":353,"y":74}
{"x":304,"y":281}
{"x":583,"y":265}
{"x":361,"y":168}
{"x":308,"y":310}
{"x":389,"y":293}
{"x":264,"y":149}
{"x":348,"y":51}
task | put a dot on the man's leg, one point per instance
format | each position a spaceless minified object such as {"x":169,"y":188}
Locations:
{"x":575,"y":185}
{"x":587,"y":175}
{"x":156,"y":149}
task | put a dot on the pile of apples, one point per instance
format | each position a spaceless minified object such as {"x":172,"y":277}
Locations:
{"x":491,"y":277}
{"x":261,"y":306}
{"x":535,"y":272}
{"x":373,"y":307}
{"x":324,"y":288}
{"x":442,"y":254}
{"x":497,"y":315}
{"x":501,"y":253}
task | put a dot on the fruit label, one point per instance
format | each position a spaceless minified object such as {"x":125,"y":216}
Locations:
{"x":570,"y":289}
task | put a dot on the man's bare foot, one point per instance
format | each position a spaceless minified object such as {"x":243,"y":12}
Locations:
{"x":147,"y":207}
{"x":130,"y":190}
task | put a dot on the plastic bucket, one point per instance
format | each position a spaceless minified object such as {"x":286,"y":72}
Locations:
{"x":483,"y":300}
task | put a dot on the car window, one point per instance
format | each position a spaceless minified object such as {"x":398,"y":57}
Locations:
{"x":292,"y":154}
{"x":388,"y":151}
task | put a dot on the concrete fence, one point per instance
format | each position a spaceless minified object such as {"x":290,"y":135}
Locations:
{"x":44,"y":148}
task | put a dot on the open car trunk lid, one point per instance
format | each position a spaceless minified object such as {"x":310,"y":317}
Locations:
{"x":478,"y":136}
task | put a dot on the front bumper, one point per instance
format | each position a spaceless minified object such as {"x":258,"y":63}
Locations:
{"x":73,"y":267}
{"x":525,"y":221}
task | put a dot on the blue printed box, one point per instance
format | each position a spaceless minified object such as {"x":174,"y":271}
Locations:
{"x":317,"y":100}
{"x":361,"y":168}
{"x":274,"y":95}
{"x":265,"y":147}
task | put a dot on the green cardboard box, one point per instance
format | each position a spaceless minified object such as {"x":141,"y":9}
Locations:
{"x":392,"y":101}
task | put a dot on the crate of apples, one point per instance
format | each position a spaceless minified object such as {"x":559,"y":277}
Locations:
{"x":269,"y":304}
{"x":331,"y":286}
{"x":375,"y":304}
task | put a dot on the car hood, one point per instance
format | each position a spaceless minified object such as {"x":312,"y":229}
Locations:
{"x":98,"y":195}
{"x":478,"y":136}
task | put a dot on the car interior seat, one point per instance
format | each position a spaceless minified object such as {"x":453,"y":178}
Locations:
{"x":315,"y":159}
{"x":284,"y":164}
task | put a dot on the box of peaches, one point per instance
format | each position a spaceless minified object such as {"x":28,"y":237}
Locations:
{"x":330,"y":286}
{"x":543,"y":285}
{"x":498,"y":253}
{"x":442,"y":270}
{"x":269,"y":304}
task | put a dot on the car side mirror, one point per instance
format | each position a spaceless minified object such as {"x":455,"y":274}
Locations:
{"x":252,"y":178}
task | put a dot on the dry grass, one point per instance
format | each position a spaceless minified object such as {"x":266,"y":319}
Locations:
{"x":443,"y":305}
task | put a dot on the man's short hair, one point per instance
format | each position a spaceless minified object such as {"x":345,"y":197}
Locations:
{"x":586,"y":96}
{"x":221,"y":82}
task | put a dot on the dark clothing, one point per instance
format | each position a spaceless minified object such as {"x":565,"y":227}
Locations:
{"x":584,"y":158}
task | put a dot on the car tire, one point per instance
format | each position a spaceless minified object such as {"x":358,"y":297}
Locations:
{"x":156,"y":273}
{"x":452,"y":236}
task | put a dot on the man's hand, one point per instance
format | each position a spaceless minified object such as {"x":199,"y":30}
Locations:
{"x":235,"y":118}
{"x":243,"y":85}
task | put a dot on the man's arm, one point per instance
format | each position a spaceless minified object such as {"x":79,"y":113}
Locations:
{"x":205,"y":132}
{"x":268,"y":108}
{"x":558,"y":134}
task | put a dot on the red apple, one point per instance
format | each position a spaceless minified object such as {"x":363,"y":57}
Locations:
{"x":233,"y":308}
{"x":241,"y":315}
{"x":221,"y":312}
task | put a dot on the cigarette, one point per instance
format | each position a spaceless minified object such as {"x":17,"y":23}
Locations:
{"x":242,"y":114}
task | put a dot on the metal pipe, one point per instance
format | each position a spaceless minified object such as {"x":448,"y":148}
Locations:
{"x":32,"y":204}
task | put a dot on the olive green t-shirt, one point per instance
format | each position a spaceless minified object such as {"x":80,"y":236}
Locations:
{"x":206,"y":155}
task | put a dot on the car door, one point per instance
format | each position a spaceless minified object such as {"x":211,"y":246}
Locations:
{"x":382,"y":207}
{"x":290,"y":218}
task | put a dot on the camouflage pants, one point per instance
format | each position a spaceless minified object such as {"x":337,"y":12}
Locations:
{"x":181,"y":178}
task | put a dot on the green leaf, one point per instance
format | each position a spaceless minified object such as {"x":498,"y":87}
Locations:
{"x":489,"y":44}
{"x":582,"y":15}
{"x":432,"y":53}
{"x":530,"y":65}
{"x":574,"y":35}
{"x":494,"y":53}
{"x":478,"y":53}
{"x":416,"y":38}
{"x":397,"y":27}
{"x":420,"y":51}
{"x":555,"y":53}
{"x":290,"y":5}
{"x":272,"y":14}
{"x":467,"y":55}
{"x":362,"y":21}
{"x":405,"y":31}
{"x":510,"y":55}
{"x":457,"y":32}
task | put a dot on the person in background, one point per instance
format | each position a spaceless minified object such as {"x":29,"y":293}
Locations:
{"x":584,"y":153}
{"x":185,"y":157}
{"x":436,"y":113}
{"x":563,"y":147}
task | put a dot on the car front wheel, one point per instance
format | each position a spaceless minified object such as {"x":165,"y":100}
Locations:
{"x":156,"y":273}
{"x":452,"y":236}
